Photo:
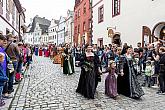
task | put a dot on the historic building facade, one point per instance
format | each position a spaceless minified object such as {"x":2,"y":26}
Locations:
{"x":61,"y":37}
{"x":53,"y":31}
{"x":82,"y":22}
{"x":115,"y":21}
{"x":37,"y":33}
{"x":69,"y":27}
{"x":12,"y":18}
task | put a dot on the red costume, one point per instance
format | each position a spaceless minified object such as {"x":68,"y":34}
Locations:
{"x":40,"y":52}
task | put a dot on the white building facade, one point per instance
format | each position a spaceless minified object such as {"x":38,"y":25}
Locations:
{"x":11,"y":12}
{"x":29,"y":39}
{"x":37,"y":35}
{"x":44,"y":39}
{"x":61,"y":38}
{"x":53,"y":31}
{"x":69,"y":27}
{"x":117,"y":21}
{"x":37,"y":32}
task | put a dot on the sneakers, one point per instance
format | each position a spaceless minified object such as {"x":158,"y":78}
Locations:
{"x":2,"y":103}
{"x":7,"y":96}
{"x":160,"y":93}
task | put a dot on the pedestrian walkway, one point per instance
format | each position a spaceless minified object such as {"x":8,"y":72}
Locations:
{"x":47,"y":88}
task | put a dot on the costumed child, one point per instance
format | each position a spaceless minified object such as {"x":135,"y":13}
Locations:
{"x":111,"y":81}
{"x":148,"y":73}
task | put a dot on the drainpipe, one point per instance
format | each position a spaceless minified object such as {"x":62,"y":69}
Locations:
{"x":19,"y":27}
{"x":91,"y":37}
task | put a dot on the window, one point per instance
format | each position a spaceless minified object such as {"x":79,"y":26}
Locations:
{"x":84,"y":10}
{"x":13,"y":12}
{"x":84,"y":26}
{"x":78,"y":29}
{"x":79,"y":13}
{"x":75,"y":30}
{"x":7,"y":5}
{"x":76,"y":15}
{"x":1,"y":2}
{"x":66,"y":33}
{"x":100,"y":14}
{"x":115,"y":7}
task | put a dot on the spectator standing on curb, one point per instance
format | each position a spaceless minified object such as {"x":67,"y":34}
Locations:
{"x":162,"y":70}
{"x":12,"y":51}
{"x":3,"y":77}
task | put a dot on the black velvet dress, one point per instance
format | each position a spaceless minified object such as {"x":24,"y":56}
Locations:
{"x":68,"y":66}
{"x":128,"y":84}
{"x":89,"y":76}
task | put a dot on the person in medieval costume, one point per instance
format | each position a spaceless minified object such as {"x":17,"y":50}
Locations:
{"x":68,"y":66}
{"x":40,"y":51}
{"x":90,"y":74}
{"x":127,"y":82}
{"x":36,"y":50}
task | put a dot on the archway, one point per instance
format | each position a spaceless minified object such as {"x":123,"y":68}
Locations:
{"x":116,"y":39}
{"x":162,"y":33}
{"x":146,"y":36}
{"x":158,"y":31}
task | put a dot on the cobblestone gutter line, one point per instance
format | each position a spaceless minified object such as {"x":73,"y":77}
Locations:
{"x":20,"y":86}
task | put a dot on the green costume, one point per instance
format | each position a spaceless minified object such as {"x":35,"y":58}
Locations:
{"x":68,"y":66}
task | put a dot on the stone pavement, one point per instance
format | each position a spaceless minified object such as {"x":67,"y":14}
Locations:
{"x":47,"y":88}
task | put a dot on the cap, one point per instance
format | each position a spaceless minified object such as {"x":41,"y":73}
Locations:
{"x":2,"y":37}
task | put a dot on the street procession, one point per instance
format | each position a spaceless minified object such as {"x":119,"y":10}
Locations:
{"x":82,"y":55}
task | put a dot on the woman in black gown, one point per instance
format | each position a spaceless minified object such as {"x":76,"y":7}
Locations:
{"x":127,"y":83}
{"x":89,"y":78}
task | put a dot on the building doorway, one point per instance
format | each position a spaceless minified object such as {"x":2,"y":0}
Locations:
{"x":100,"y":42}
{"x":116,"y":39}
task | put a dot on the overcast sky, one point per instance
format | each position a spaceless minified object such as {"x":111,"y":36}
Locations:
{"x":46,"y":8}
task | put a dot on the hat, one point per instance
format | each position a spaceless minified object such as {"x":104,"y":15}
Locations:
{"x":2,"y":37}
{"x":20,"y":43}
{"x":9,"y":36}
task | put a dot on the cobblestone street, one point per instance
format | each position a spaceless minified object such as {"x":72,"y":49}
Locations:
{"x":47,"y":88}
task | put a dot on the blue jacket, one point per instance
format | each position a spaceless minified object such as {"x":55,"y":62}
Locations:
{"x":4,"y":63}
{"x":3,"y":78}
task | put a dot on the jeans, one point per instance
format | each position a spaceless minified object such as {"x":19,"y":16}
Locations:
{"x":148,"y":80}
{"x":1,"y":90}
{"x":11,"y":76}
